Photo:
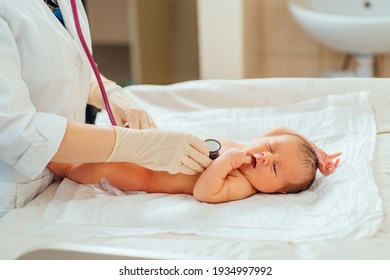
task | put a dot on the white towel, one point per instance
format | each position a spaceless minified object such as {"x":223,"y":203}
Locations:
{"x":343,"y":205}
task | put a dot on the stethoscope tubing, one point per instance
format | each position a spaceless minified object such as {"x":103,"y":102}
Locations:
{"x":92,"y":62}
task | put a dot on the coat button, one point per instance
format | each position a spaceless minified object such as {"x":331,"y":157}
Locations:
{"x":76,"y":116}
{"x":78,"y":62}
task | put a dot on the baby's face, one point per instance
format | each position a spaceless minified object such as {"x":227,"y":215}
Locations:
{"x":275,"y":163}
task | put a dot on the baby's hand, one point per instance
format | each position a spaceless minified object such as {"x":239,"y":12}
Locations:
{"x":326,"y":165}
{"x":236,"y":157}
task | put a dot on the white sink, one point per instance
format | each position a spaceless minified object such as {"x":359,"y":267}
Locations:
{"x":352,"y":26}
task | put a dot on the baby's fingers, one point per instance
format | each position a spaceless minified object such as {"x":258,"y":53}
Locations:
{"x":331,"y":166}
{"x":334,"y":155}
{"x":336,"y":163}
{"x":245,"y":159}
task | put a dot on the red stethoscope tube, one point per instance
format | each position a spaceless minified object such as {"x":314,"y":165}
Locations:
{"x":92,"y":62}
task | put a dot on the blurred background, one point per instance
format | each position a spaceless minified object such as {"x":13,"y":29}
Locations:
{"x":169,"y":41}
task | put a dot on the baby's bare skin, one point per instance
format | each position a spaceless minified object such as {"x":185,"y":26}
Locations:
{"x":130,"y":176}
{"x":267,"y":165}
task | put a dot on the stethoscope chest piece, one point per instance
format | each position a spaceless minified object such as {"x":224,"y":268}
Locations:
{"x":214,"y":146}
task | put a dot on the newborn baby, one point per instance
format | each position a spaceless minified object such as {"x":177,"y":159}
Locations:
{"x":280,"y":161}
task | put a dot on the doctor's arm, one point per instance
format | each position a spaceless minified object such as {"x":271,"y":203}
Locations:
{"x":125,"y":110}
{"x":220,"y":182}
{"x":32,"y":134}
{"x":155,"y":149}
{"x":85,"y":143}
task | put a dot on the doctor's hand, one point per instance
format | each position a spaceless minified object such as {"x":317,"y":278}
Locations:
{"x":127,"y":113}
{"x":160,"y":150}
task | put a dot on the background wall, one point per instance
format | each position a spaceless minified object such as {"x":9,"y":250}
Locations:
{"x":145,"y":41}
{"x":290,"y":52}
{"x":272,"y":44}
{"x":167,"y":41}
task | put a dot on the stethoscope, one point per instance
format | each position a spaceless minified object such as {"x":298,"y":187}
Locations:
{"x":213,"y":145}
{"x":92,"y":62}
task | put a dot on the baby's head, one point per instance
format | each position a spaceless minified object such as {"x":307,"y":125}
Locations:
{"x":280,"y":164}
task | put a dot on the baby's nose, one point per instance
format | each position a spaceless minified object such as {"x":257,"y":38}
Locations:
{"x":260,"y":158}
{"x":265,"y":158}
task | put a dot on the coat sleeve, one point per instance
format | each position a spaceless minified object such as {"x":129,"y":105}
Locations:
{"x":28,"y":139}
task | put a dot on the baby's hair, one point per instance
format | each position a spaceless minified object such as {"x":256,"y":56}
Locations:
{"x":309,"y":161}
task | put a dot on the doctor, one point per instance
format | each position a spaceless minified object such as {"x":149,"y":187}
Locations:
{"x":45,"y":83}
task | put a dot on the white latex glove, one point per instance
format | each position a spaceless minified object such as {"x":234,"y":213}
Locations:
{"x":126,"y":112}
{"x":161,"y":150}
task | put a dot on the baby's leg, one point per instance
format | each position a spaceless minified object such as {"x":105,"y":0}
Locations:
{"x":124,"y":176}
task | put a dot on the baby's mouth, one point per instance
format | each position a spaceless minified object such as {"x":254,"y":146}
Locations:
{"x":254,"y":162}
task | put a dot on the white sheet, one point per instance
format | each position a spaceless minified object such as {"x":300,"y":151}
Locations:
{"x":344,"y":205}
{"x":17,"y":236}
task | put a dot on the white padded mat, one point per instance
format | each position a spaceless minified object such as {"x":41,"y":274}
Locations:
{"x":343,"y":205}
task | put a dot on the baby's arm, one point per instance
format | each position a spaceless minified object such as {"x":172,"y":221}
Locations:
{"x":221,"y":182}
{"x":123,"y":175}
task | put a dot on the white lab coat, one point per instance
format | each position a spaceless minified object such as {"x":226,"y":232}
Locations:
{"x":45,"y":79}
